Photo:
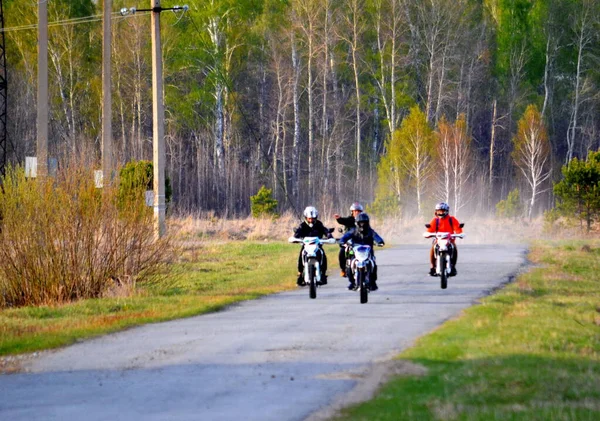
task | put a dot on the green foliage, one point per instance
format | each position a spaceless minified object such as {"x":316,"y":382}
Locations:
{"x":407,"y":163}
{"x":511,"y":207}
{"x":519,"y":28}
{"x":385,"y":206}
{"x":578,"y":193}
{"x":135,"y":178}
{"x":263,"y":204}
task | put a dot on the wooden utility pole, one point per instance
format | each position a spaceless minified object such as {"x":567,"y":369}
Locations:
{"x":107,"y":143}
{"x":158,"y":115}
{"x":42,"y":94}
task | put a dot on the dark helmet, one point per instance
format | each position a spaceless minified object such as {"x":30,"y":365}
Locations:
{"x":362,"y":223}
{"x":356,"y":206}
{"x":442,"y":209}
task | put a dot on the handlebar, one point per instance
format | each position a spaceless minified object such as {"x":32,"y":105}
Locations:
{"x":442,"y":234}
{"x":322,"y":241}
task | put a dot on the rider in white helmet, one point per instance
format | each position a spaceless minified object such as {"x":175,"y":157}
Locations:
{"x":349,"y":223}
{"x":312,"y":227}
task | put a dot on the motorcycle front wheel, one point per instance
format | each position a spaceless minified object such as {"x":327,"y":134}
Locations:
{"x":312,"y":284}
{"x":362,"y":286}
{"x":444,"y":271}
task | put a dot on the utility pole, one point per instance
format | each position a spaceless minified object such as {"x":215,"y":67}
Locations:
{"x":107,"y":143}
{"x":158,"y":116}
{"x":42,"y":94}
{"x":3,"y":96}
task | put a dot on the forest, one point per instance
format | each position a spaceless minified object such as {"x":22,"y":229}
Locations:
{"x":396,"y":103}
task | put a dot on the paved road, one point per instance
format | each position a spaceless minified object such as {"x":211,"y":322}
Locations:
{"x":279,"y":358}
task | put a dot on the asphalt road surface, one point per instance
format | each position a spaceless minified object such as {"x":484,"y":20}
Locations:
{"x":283,"y":357}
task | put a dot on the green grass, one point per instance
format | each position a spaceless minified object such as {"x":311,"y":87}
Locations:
{"x":529,"y":352}
{"x":206,"y":278}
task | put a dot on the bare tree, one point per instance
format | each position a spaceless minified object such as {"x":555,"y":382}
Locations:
{"x":351,"y":34}
{"x":531,"y":153}
{"x":585,"y":34}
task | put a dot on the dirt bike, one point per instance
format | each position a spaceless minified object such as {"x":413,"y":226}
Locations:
{"x":443,"y":250}
{"x":359,"y":267}
{"x":311,"y":257}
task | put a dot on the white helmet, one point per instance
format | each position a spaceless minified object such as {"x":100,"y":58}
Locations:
{"x":311,"y":212}
{"x":356,"y":206}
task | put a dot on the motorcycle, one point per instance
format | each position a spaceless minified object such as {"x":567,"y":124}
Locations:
{"x":359,"y":267}
{"x":443,"y":250}
{"x":311,"y":257}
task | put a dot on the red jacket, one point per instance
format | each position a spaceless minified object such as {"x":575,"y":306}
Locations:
{"x":445,"y":225}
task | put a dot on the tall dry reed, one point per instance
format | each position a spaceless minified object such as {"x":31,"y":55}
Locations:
{"x":63,"y":239}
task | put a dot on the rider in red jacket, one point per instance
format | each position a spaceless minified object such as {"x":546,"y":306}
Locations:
{"x":444,"y":222}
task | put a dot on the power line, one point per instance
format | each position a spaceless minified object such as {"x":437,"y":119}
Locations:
{"x":72,"y":21}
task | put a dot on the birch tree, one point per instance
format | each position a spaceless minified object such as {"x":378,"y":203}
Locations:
{"x":351,"y":33}
{"x":416,"y":142}
{"x":454,"y":153}
{"x":531,"y":153}
{"x":584,"y":29}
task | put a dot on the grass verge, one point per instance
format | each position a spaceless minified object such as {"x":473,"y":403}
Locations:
{"x":206,"y":278}
{"x":529,"y":352}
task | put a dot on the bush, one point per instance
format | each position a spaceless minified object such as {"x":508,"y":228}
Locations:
{"x":62,"y":239}
{"x":578,"y":193}
{"x":263,"y":204}
{"x":385,"y":206}
{"x":135,"y":178}
{"x":511,"y":207}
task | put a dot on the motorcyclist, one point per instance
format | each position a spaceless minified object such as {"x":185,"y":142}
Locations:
{"x":444,"y":222}
{"x":364,"y":234}
{"x":312,"y":227}
{"x":349,"y":223}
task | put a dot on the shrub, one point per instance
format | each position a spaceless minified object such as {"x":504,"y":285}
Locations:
{"x":263,"y":203}
{"x":135,"y":178}
{"x":385,"y":206}
{"x":578,"y":193}
{"x":62,"y":239}
{"x":511,"y":207}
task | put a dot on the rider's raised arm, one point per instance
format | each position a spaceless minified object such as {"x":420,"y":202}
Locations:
{"x":348,"y":221}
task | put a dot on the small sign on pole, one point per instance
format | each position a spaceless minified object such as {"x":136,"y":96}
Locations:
{"x":150,"y":198}
{"x":98,"y":179}
{"x":30,"y":166}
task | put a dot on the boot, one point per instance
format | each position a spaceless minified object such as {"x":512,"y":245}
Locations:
{"x":373,"y":285}
{"x":300,"y":282}
{"x":343,"y":273}
{"x":453,"y":271}
{"x":352,"y":286}
{"x":323,"y":280}
{"x":431,"y":271}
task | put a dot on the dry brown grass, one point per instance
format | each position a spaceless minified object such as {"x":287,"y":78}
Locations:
{"x":199,"y":228}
